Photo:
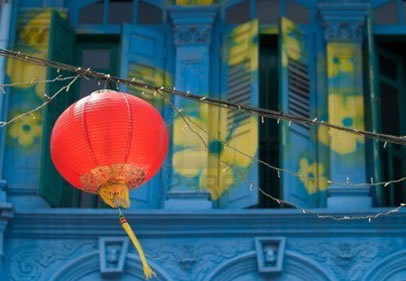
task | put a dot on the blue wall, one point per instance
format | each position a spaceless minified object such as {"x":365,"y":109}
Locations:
{"x":190,"y":228}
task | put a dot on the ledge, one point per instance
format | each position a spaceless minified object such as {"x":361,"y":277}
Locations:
{"x":6,"y":211}
{"x":92,"y":223}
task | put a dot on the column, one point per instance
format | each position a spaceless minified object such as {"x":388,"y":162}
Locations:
{"x":344,"y":25}
{"x":192,"y":27}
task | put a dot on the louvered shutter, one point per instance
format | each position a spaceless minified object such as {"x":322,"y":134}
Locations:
{"x":297,"y":147}
{"x":240,"y":86}
{"x":142,"y":58}
{"x":52,"y":186}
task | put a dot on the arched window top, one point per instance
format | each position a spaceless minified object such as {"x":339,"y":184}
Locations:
{"x":148,"y":13}
{"x":387,"y":13}
{"x":104,"y":12}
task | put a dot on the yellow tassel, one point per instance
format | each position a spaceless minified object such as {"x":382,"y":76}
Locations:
{"x":147,"y":269}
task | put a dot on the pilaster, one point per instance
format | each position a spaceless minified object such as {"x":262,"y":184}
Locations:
{"x":344,"y":29}
{"x":193,"y":28}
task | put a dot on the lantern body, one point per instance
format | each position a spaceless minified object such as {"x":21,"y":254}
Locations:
{"x":109,"y":139}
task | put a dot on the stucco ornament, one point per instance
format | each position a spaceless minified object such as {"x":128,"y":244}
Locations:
{"x":30,"y":264}
{"x":312,"y":176}
{"x":195,"y":261}
{"x":347,"y":259}
{"x":212,"y":161}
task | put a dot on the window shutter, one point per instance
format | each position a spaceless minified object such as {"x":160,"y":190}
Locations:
{"x":240,"y":86}
{"x":52,"y":186}
{"x":298,"y":149}
{"x":142,"y":58}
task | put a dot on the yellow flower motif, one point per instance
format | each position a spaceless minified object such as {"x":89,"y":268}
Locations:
{"x":346,"y":112}
{"x":291,"y":46}
{"x":21,"y":71}
{"x":27,"y":129}
{"x":312,"y":176}
{"x":151,"y":76}
{"x":34,"y":38}
{"x":243,"y":45}
{"x":194,"y":159}
{"x":340,"y":58}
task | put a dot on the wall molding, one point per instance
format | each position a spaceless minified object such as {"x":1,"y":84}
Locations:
{"x":343,"y":20}
{"x":295,"y":266}
{"x":92,"y":223}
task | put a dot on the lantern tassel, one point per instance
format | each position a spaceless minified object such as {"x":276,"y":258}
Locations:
{"x":148,"y":272}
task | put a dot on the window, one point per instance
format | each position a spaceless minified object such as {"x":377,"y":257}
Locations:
{"x":269,"y":131}
{"x":100,"y":53}
{"x":148,"y":13}
{"x":92,"y":14}
{"x":238,"y":13}
{"x":392,"y":98}
{"x":387,"y":13}
{"x":268,"y":11}
{"x":288,"y":67}
{"x":120,"y":11}
{"x":297,"y":12}
{"x":116,"y":12}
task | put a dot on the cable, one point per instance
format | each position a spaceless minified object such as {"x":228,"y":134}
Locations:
{"x":260,"y":112}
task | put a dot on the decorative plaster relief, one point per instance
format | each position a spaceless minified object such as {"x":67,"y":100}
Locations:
{"x":344,"y":31}
{"x":113,"y":251}
{"x":270,"y":253}
{"x":29,"y":262}
{"x":347,"y":259}
{"x":192,"y":34}
{"x":194,"y":261}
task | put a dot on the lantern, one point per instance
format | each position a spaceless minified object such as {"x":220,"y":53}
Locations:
{"x":109,"y":143}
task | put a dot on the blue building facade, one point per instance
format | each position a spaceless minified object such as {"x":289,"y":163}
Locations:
{"x":209,"y":214}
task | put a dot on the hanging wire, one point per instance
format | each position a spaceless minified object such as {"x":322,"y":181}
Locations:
{"x":262,"y":113}
{"x":252,"y":184}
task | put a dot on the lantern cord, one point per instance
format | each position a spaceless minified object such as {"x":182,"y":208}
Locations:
{"x":118,"y":206}
{"x":148,"y":272}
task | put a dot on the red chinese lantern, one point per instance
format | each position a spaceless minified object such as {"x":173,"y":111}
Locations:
{"x":109,"y":143}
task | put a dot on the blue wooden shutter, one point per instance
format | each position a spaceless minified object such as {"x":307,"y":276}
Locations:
{"x":298,"y":148}
{"x":240,"y":85}
{"x":142,"y":58}
{"x":52,"y":186}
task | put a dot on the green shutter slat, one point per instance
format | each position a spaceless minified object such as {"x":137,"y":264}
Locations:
{"x":52,"y":186}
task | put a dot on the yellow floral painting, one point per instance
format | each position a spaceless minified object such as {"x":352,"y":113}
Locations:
{"x":150,"y":75}
{"x":26,"y":130}
{"x":291,"y":45}
{"x":33,"y":37}
{"x":346,"y":111}
{"x":312,"y":176}
{"x":210,"y":158}
{"x":243,"y":46}
{"x":340,"y":58}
